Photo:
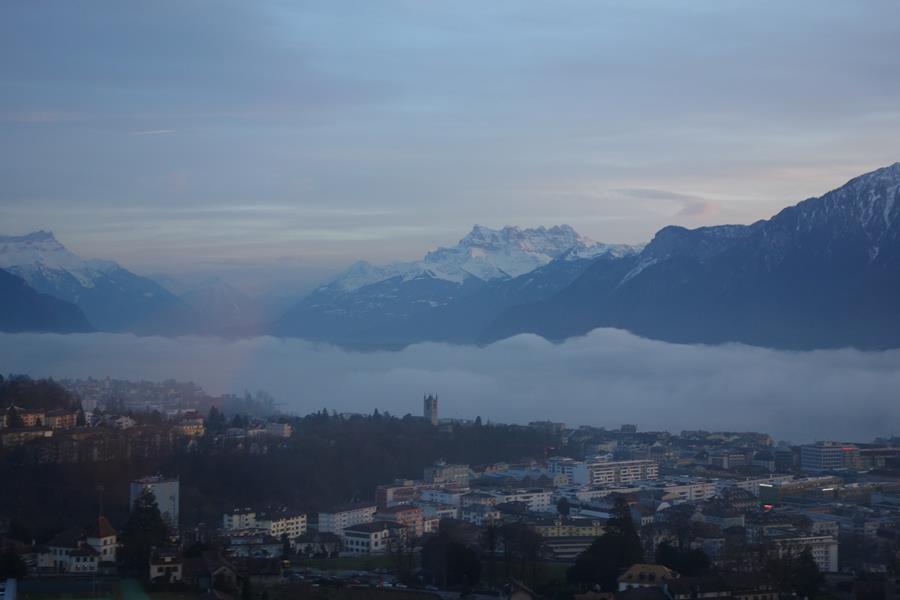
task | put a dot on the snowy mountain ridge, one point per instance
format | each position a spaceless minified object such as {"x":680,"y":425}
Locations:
{"x":486,"y":254}
{"x":112,"y":298}
{"x":40,"y":252}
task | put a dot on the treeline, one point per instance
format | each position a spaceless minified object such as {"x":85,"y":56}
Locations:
{"x":328,"y":460}
{"x":35,"y":394}
{"x":331,"y":459}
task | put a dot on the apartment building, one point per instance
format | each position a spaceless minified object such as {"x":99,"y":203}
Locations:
{"x":376,"y":537}
{"x":347,"y":515}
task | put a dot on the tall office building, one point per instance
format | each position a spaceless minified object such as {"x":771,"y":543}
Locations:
{"x":828,"y":456}
{"x":431,"y":409}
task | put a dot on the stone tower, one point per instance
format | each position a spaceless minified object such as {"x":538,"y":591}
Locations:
{"x":430,"y":411}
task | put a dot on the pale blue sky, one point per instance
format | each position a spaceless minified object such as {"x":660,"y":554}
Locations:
{"x":210,"y":136}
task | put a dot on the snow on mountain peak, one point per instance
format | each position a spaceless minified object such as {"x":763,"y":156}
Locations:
{"x":40,"y":251}
{"x":551,"y":241}
{"x":485,"y":254}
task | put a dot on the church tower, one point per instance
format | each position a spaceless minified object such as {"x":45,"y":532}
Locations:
{"x":430,"y":411}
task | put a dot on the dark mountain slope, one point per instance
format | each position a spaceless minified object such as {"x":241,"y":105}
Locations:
{"x":24,"y":309}
{"x":824,"y":273}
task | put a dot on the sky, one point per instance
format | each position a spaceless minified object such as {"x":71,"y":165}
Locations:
{"x":605,"y":379}
{"x":288,"y":139}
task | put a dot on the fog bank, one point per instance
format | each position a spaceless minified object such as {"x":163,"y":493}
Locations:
{"x":606,"y":378}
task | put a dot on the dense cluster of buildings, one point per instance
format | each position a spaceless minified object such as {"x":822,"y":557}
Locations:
{"x":137,"y":396}
{"x":735,"y":496}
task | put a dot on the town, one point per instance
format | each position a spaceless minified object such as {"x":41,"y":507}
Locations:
{"x":159,"y":489}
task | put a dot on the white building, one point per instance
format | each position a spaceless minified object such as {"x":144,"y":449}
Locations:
{"x":600,"y":471}
{"x":165,"y":565}
{"x":622,"y":471}
{"x":348,"y":515}
{"x":442,"y":495}
{"x":275,"y":522}
{"x":537,"y":500}
{"x":824,"y":549}
{"x":828,"y":456}
{"x":69,"y":552}
{"x":575,"y":471}
{"x":441,"y":472}
{"x":282,"y":523}
{"x":683,"y":490}
{"x":439,"y":511}
{"x":479,"y":514}
{"x":371,"y":538}
{"x":238,"y":519}
{"x":103,"y":539}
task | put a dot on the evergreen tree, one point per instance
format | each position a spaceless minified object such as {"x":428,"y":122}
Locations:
{"x":806,"y":580}
{"x":11,"y":565}
{"x":19,"y":531}
{"x":246,"y":590}
{"x":616,"y":550}
{"x":13,"y":419}
{"x":688,"y":563}
{"x":215,"y":420}
{"x":144,"y":530}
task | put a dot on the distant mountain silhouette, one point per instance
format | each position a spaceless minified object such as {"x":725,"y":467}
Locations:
{"x":112,"y":298}
{"x":450,"y":295}
{"x":24,"y":309}
{"x":822,"y":274}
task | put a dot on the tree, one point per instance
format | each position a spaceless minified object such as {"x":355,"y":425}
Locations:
{"x":523,"y":544}
{"x":13,"y":419}
{"x":450,"y":561}
{"x":564,"y":507}
{"x":144,"y":530}
{"x":489,"y":545}
{"x":806,"y":580}
{"x":246,"y":590}
{"x":622,"y":526}
{"x":449,"y":558}
{"x":11,"y":565}
{"x":609,"y":555}
{"x":688,"y":563}
{"x":215,"y":420}
{"x":19,"y":531}
{"x":797,"y":573}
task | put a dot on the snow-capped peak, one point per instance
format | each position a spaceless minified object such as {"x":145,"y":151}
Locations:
{"x":40,"y":251}
{"x":485,"y":254}
{"x":37,"y":248}
{"x":550,"y":241}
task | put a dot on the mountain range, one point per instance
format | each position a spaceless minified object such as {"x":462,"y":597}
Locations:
{"x":451,"y":294}
{"x":112,"y":298}
{"x":823,"y":273}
